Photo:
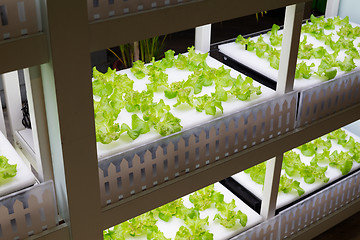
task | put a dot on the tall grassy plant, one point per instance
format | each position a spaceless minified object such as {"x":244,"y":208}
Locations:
{"x":152,"y":47}
{"x":147,"y":49}
{"x":127,"y":54}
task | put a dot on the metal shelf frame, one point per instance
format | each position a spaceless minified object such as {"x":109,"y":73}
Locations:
{"x":23,"y":52}
{"x":63,"y":53}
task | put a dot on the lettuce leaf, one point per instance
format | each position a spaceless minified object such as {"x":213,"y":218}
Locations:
{"x":275,"y":38}
{"x":139,"y":70}
{"x":168,"y":125}
{"x":138,"y":127}
{"x":342,"y":161}
{"x":7,"y":170}
{"x":303,"y":70}
{"x":287,"y":185}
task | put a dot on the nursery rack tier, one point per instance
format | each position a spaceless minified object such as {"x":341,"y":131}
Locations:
{"x":128,"y":168}
{"x":238,"y":53}
{"x":219,"y":170}
{"x":219,"y":232}
{"x":318,"y":98}
{"x":286,"y":199}
{"x":23,"y":178}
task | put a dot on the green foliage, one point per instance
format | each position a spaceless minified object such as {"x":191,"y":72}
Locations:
{"x":329,"y":64}
{"x":347,"y":65}
{"x":342,"y":161}
{"x":138,"y":69}
{"x":195,"y":227}
{"x":115,"y":92}
{"x":151,"y":48}
{"x":311,"y":173}
{"x":295,"y":168}
{"x":353,"y":53}
{"x":305,"y":50}
{"x":349,"y":31}
{"x":310,"y":148}
{"x":228,"y":217}
{"x":7,"y":170}
{"x":138,"y":127}
{"x":287,"y":185}
{"x":243,"y":89}
{"x":303,"y":70}
{"x":338,"y":135}
{"x":205,"y":198}
{"x":192,"y":61}
{"x":208,"y":103}
{"x":257,"y":173}
{"x":275,"y":38}
{"x":167,"y":211}
{"x":292,"y":164}
{"x":168,"y":125}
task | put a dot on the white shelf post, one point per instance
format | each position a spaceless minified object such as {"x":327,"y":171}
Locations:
{"x":271,"y":187}
{"x":67,"y":87}
{"x":13,"y":100}
{"x":2,"y":120}
{"x":202,"y":38}
{"x":35,"y":96}
{"x":290,"y":45}
{"x":332,"y":8}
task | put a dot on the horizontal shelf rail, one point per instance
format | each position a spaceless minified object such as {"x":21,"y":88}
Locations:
{"x":23,"y":52}
{"x":329,"y":221}
{"x":132,"y":27}
{"x":60,"y":232}
{"x":226,"y":167}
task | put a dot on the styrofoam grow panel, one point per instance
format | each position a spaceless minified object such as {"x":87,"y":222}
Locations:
{"x":285,"y":199}
{"x":307,"y":212}
{"x":24,"y":177}
{"x":28,"y":212}
{"x":219,"y":232}
{"x":318,"y":97}
{"x":188,"y":115}
{"x":128,"y":167}
{"x":261,"y":65}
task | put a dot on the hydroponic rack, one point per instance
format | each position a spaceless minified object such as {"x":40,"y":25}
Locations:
{"x":60,"y":46}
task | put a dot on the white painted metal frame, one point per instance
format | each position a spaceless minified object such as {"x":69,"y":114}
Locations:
{"x":2,"y":120}
{"x":73,"y":112}
{"x":332,"y":8}
{"x":290,"y":45}
{"x":69,"y":111}
{"x":35,"y":97}
{"x":203,"y":38}
{"x":13,"y":100}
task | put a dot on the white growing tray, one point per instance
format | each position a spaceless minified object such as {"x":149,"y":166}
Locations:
{"x":24,"y":178}
{"x":189,"y":116}
{"x":287,"y":198}
{"x":170,"y":228}
{"x":238,"y":53}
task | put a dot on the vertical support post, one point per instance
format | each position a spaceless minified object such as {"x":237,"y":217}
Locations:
{"x":271,"y":187}
{"x":2,"y":120}
{"x":290,"y":46}
{"x":13,"y":100}
{"x":70,"y":116}
{"x":35,"y":96}
{"x":202,"y":38}
{"x":332,"y":8}
{"x":136,"y":51}
{"x":288,"y":57}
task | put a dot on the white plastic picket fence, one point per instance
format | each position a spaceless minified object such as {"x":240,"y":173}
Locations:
{"x":28,"y":212}
{"x":18,"y":18}
{"x":307,"y":212}
{"x":102,"y":9}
